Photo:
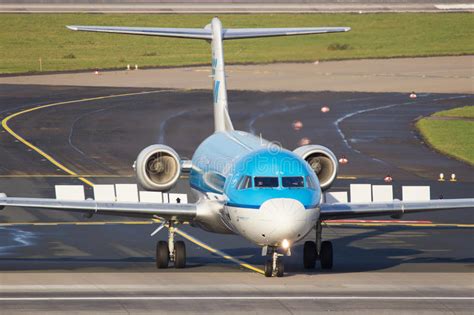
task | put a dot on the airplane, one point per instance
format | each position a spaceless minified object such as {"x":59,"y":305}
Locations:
{"x":245,"y":185}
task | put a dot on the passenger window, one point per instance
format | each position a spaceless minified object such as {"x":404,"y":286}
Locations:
{"x":292,"y":182}
{"x":266,"y":182}
{"x":310,"y":182}
{"x":245,"y":182}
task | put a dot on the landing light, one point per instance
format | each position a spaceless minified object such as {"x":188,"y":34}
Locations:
{"x":285,"y":244}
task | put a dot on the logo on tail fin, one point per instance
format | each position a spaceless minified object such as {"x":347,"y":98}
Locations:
{"x":214,"y":64}
{"x":216,"y":91}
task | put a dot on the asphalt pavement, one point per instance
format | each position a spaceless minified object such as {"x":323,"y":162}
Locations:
{"x":104,"y":264}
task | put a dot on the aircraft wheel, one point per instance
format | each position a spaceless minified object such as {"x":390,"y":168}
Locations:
{"x":280,"y":268}
{"x":309,"y":255}
{"x":162,"y":255}
{"x":179,"y":254}
{"x":326,"y":255}
{"x":268,"y":268}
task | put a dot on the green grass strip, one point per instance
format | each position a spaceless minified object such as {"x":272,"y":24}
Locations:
{"x":451,"y":137}
{"x":461,"y":112}
{"x":25,"y":38}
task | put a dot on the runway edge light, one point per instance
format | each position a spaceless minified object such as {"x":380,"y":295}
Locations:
{"x":297,"y":125}
{"x":441,"y":177}
{"x":343,"y":160}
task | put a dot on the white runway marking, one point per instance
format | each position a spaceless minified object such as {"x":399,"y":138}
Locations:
{"x":349,"y":115}
{"x":341,"y":119}
{"x":233,"y":298}
{"x":20,"y":237}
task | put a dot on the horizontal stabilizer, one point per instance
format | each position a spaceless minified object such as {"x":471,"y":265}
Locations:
{"x":206,"y":33}
{"x":237,"y":33}
{"x":197,"y":33}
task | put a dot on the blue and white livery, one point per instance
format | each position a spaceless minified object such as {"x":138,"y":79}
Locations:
{"x":245,"y":184}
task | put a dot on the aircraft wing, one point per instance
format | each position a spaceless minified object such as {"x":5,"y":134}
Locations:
{"x":396,"y":208}
{"x":205,"y":33}
{"x":126,"y":209}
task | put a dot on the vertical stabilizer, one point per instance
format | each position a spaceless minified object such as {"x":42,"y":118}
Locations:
{"x":222,"y":120}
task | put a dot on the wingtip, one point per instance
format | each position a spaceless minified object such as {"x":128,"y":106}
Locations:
{"x":72,"y":27}
{"x":2,"y":196}
{"x":347,"y":29}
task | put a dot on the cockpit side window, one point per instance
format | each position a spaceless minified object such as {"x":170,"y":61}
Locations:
{"x":245,"y":182}
{"x":266,"y":182}
{"x":310,"y":182}
{"x":292,"y":181}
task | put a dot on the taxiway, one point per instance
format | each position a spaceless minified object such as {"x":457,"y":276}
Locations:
{"x":101,"y":264}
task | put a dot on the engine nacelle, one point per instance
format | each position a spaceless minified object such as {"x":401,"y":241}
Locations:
{"x":323,"y":162}
{"x":158,"y":167}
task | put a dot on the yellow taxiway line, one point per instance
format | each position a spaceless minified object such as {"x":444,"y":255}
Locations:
{"x":346,"y":177}
{"x":44,"y":154}
{"x":88,"y":182}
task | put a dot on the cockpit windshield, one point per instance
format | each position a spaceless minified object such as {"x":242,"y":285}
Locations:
{"x":266,"y":182}
{"x":245,"y":182}
{"x":292,"y":181}
{"x":310,"y":183}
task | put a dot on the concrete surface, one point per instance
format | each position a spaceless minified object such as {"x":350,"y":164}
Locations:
{"x":435,"y":75}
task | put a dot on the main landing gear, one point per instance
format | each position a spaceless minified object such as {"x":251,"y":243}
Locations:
{"x":318,"y":250}
{"x":170,"y":251}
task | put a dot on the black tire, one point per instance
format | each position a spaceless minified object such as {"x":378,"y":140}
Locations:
{"x":326,"y":255}
{"x":310,"y":255}
{"x":268,"y":268}
{"x":162,"y":255}
{"x":179,"y":254}
{"x":280,"y":268}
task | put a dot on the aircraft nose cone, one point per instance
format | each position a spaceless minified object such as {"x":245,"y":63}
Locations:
{"x":283,"y":218}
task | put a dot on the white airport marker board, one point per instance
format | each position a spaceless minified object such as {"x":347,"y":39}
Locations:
{"x":416,"y":193}
{"x":361,"y":192}
{"x":151,"y":196}
{"x":336,"y":196}
{"x":178,"y":198}
{"x":70,"y":192}
{"x":126,"y":192}
{"x":382,"y":193}
{"x":104,"y":193}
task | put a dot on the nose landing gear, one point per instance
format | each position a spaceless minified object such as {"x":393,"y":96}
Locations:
{"x":170,"y":251}
{"x":274,"y":266}
{"x":318,"y":250}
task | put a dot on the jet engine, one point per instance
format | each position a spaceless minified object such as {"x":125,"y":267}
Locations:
{"x":323,"y":162}
{"x":158,"y":167}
